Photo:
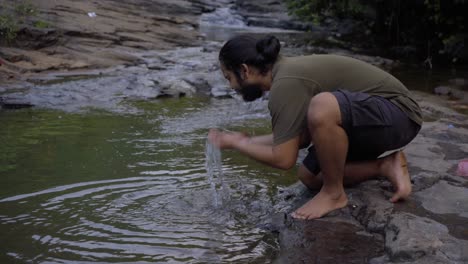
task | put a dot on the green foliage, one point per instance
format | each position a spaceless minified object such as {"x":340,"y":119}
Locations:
{"x":8,"y":28}
{"x":25,"y":9}
{"x":434,"y":27}
{"x":41,"y":24}
{"x":11,"y":19}
{"x":315,"y":9}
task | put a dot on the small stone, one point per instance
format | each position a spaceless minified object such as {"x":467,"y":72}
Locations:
{"x":442,"y":90}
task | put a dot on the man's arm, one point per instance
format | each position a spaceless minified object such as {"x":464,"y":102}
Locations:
{"x":282,"y":156}
{"x":262,"y":140}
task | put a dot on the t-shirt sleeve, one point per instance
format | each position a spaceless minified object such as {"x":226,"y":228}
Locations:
{"x":288,"y":104}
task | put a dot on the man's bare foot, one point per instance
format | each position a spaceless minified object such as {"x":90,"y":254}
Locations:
{"x":395,"y":168}
{"x":320,"y":205}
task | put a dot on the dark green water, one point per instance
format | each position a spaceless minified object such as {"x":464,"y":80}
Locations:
{"x":424,"y":79}
{"x":105,"y":187}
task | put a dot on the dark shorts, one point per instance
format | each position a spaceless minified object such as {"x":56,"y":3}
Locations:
{"x":373,"y":124}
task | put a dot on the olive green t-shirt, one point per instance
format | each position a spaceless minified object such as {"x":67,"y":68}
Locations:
{"x":297,"y":79}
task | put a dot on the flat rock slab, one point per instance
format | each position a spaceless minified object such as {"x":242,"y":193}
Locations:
{"x":445,"y":198}
{"x":409,"y":238}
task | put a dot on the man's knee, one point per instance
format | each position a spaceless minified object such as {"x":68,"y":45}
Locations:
{"x":323,"y":109}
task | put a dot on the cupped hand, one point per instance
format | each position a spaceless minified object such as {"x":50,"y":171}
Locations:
{"x":225,"y":140}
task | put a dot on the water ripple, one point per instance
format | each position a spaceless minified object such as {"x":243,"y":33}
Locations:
{"x":166,"y":217}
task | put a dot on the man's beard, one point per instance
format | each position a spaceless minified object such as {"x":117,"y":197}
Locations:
{"x":250,"y":92}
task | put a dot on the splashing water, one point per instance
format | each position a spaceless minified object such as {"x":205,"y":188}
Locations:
{"x":214,"y":169}
{"x":213,"y":162}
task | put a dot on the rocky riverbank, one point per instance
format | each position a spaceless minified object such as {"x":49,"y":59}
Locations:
{"x":145,"y":50}
{"x":99,"y":34}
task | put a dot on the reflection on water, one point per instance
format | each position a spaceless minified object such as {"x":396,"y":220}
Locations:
{"x":103,"y":187}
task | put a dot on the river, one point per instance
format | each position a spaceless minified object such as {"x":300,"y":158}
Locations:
{"x":128,"y":180}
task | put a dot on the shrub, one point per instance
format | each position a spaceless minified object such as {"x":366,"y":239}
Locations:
{"x":12,"y":17}
{"x":435,"y":28}
{"x":8,"y":28}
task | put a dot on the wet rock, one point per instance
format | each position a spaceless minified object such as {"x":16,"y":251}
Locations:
{"x":221,"y":91}
{"x":457,"y":94}
{"x":211,"y":47}
{"x":270,"y":13}
{"x":142,"y":87}
{"x":275,"y":23}
{"x":435,"y":108}
{"x":372,"y":207}
{"x":176,"y":88}
{"x":453,"y":151}
{"x":124,"y":57}
{"x":445,"y":198}
{"x":181,"y":72}
{"x":37,"y":38}
{"x":336,"y":238}
{"x":200,"y":85}
{"x":423,"y":180}
{"x":275,"y":223}
{"x":424,"y":156}
{"x":442,"y":90}
{"x":14,"y":103}
{"x":458,"y":181}
{"x":437,"y":258}
{"x":328,"y":240}
{"x":409,"y":238}
{"x":451,"y":134}
{"x":313,"y":48}
{"x":291,"y":197}
{"x":459,"y":82}
{"x":452,"y":92}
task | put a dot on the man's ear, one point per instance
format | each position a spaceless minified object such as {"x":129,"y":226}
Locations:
{"x":244,"y":71}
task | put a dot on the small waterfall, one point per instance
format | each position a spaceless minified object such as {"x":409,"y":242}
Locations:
{"x":221,"y":24}
{"x":223,"y":17}
{"x":225,"y":22}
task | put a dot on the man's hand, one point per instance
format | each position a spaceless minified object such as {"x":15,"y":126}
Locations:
{"x":261,"y":148}
{"x":225,"y":140}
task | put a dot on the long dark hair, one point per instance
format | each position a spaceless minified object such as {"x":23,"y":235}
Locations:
{"x":261,"y":53}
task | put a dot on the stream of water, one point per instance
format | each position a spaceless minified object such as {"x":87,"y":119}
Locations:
{"x":215,"y":175}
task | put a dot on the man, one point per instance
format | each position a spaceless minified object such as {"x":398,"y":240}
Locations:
{"x":350,"y":111}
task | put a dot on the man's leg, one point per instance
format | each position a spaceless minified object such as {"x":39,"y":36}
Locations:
{"x":355,"y":173}
{"x":395,"y":169}
{"x":392,"y":167}
{"x":331,"y":144}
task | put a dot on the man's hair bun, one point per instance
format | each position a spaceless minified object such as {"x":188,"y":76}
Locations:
{"x":268,"y":48}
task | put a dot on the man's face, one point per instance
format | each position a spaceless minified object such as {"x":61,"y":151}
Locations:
{"x":249,"y":91}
